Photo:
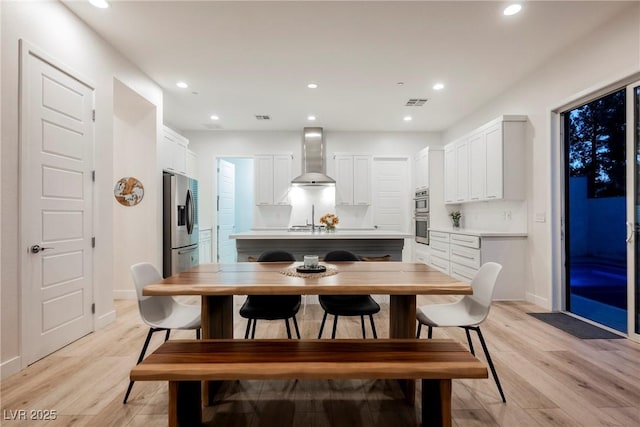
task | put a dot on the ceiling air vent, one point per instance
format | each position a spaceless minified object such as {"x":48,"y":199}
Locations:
{"x":416,"y":102}
{"x":263,"y":117}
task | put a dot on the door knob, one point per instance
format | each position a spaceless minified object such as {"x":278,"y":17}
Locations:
{"x":37,"y":248}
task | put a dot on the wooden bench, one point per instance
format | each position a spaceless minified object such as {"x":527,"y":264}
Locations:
{"x":186,"y":363}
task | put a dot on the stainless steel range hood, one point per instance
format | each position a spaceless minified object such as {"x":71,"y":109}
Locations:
{"x":313,"y":160}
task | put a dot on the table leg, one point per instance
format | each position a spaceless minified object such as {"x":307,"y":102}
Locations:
{"x":436,"y":403}
{"x":402,"y":324}
{"x":217,"y":322}
{"x":185,"y":406}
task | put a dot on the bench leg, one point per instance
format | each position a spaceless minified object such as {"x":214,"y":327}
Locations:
{"x":185,"y":404}
{"x":436,"y":403}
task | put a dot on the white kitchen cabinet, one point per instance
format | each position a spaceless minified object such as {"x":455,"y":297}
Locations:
{"x":450,"y":174}
{"x":204,"y":245}
{"x":456,"y":171}
{"x":272,"y":179}
{"x":462,"y":170}
{"x":493,"y":168}
{"x":192,"y":164}
{"x":461,"y":255}
{"x":477,"y":166}
{"x":422,"y":169}
{"x":172,"y":152}
{"x":353,"y":179}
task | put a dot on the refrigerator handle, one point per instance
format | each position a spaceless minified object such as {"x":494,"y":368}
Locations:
{"x":190,"y":217}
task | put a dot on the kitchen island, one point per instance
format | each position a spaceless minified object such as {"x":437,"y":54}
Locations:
{"x":364,"y":243}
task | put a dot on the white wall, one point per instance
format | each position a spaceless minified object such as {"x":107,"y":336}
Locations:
{"x":135,"y":138}
{"x":212,"y":144}
{"x":609,"y":53}
{"x":53,"y":29}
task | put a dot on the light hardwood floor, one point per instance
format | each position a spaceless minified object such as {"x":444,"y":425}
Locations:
{"x":550,"y":379}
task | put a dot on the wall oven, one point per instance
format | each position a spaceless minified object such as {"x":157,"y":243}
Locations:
{"x":422,"y":228}
{"x":421,"y":216}
{"x":421,"y":201}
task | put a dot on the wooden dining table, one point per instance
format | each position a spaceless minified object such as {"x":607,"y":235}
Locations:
{"x":216,"y":284}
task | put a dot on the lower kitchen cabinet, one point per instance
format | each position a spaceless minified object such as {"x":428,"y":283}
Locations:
{"x":460,"y":255}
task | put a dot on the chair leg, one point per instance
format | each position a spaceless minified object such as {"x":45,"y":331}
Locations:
{"x":364,"y":332}
{"x":144,"y":350}
{"x":198,"y":333}
{"x":373,"y":327}
{"x":469,"y":341}
{"x":166,"y":337}
{"x":295,"y":324}
{"x":493,"y":369}
{"x":246,"y":332}
{"x":430,"y":332}
{"x":324,"y":319}
{"x":419,"y":329}
{"x":286,"y":322}
{"x":253,"y":331}
{"x":335,"y":324}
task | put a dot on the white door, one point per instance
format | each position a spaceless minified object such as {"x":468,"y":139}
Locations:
{"x":226,"y":211}
{"x":391,"y":194}
{"x":56,"y":206}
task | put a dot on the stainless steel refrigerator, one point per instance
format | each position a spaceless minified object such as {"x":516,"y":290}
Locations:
{"x":180,"y":223}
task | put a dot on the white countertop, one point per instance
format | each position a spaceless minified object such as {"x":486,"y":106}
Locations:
{"x":479,"y":233}
{"x":306,"y":235}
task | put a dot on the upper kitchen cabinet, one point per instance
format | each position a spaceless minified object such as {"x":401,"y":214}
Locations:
{"x":172,"y":153}
{"x":273,"y":179}
{"x":353,"y":179}
{"x":494,"y":166}
{"x":456,"y":171}
{"x":192,"y":164}
{"x":422,"y":168}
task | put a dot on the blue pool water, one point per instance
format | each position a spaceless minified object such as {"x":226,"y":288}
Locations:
{"x":599,"y":293}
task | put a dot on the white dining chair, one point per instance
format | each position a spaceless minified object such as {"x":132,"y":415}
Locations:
{"x":467,"y":313}
{"x":160,"y":313}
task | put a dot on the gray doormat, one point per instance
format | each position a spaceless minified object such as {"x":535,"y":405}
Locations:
{"x":575,"y":327}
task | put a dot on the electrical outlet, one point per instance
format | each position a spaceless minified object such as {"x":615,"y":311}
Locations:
{"x":507,"y":215}
{"x":540,"y":217}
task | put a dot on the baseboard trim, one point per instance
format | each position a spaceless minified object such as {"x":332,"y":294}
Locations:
{"x":10,"y":367}
{"x":105,"y":319}
{"x":122,"y":294}
{"x":539,"y":301}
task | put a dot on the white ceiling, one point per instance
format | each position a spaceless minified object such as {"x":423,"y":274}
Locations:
{"x":247,"y":58}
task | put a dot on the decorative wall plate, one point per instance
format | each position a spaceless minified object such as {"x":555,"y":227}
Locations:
{"x":128,"y":191}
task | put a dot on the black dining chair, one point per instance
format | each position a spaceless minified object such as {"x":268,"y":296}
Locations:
{"x":271,"y":307}
{"x":347,"y":305}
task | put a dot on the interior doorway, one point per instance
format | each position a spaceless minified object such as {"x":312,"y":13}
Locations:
{"x":235,"y":203}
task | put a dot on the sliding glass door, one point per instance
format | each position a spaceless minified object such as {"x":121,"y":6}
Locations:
{"x":602,"y":209}
{"x":596,"y":210}
{"x":633,"y":136}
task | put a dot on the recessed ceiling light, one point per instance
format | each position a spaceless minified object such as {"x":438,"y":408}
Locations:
{"x":311,"y":118}
{"x":512,"y":9}
{"x":214,"y":117}
{"x":182,"y":85}
{"x":102,"y":4}
{"x":312,"y":85}
{"x":438,"y":86}
{"x":407,"y":118}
